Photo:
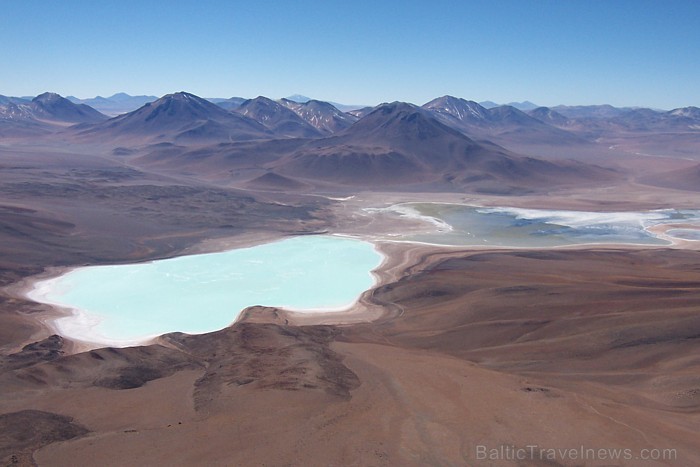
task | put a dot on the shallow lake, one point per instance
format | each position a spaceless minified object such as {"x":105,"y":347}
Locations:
{"x":457,"y":224}
{"x":685,"y":234}
{"x":125,"y":304}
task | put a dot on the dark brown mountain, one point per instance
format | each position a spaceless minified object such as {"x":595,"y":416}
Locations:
{"x":274,"y":182}
{"x":239,"y":160}
{"x":400,"y":144}
{"x":280,"y":120}
{"x":181,"y":117}
{"x":321,"y":115}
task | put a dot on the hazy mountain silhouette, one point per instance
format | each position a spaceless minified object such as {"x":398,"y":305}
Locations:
{"x":116,"y":104}
{"x":503,"y":124}
{"x":4,"y":100}
{"x":588,"y":111}
{"x":524,"y":105}
{"x":298,"y":98}
{"x":228,"y":104}
{"x":549,"y":116}
{"x":603,"y":121}
{"x":179,"y":117}
{"x":647,"y":120}
{"x":52,"y":107}
{"x":44,"y":114}
{"x":488,"y":104}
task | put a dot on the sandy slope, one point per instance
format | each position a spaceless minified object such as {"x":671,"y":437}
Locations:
{"x":593,"y":347}
{"x":590,"y":348}
{"x":412,"y":408}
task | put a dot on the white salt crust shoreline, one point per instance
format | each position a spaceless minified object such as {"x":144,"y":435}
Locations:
{"x":658,"y":230}
{"x":85,"y":337}
{"x":81,"y":326}
{"x":73,"y":323}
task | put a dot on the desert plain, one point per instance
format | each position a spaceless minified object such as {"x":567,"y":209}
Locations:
{"x":578,"y":355}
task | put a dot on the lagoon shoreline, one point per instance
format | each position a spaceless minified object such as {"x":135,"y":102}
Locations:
{"x":400,"y":258}
{"x":79,"y":325}
{"x":480,"y":336}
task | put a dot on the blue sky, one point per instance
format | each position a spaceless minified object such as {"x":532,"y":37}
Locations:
{"x":626,"y":53}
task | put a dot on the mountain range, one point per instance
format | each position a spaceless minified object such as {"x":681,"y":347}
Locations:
{"x":524,"y":106}
{"x":323,"y":116}
{"x":497,"y":123}
{"x":278,"y":118}
{"x":399,"y":144}
{"x":177,"y":117}
{"x":121,"y":103}
{"x":448,"y":143}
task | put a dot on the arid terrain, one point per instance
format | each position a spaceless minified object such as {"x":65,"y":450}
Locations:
{"x":457,"y":357}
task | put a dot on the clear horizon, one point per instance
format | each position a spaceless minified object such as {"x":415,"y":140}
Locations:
{"x":624,"y":53}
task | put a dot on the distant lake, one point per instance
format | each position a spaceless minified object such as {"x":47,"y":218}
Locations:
{"x":458,"y":224}
{"x":125,"y":304}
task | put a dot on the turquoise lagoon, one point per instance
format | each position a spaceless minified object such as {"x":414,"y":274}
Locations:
{"x":127,"y":304}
